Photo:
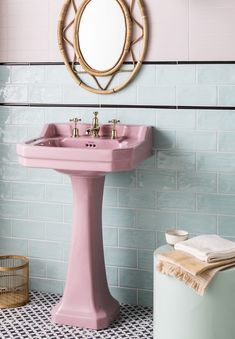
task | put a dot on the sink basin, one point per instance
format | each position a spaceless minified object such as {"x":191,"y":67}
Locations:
{"x":86,"y":300}
{"x":56,"y":149}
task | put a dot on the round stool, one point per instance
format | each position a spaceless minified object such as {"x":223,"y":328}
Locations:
{"x":179,"y":313}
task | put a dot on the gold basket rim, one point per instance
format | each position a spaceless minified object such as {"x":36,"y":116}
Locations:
{"x":13,"y":268}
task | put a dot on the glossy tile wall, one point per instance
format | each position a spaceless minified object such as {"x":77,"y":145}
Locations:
{"x":188,"y":183}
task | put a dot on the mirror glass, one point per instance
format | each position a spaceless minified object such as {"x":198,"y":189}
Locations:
{"x":102,"y":34}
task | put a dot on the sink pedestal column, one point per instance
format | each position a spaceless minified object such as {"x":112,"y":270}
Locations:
{"x":86,"y":301}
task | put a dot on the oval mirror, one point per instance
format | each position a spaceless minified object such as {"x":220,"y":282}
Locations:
{"x":102,"y":35}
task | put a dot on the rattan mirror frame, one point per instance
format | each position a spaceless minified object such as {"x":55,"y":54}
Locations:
{"x":65,"y":44}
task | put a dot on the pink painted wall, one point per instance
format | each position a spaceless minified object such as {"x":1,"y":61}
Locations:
{"x":180,"y":30}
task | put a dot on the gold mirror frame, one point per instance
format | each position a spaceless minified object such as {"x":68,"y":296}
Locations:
{"x":65,"y":44}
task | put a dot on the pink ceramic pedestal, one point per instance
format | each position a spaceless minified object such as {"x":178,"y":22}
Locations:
{"x":87,"y":301}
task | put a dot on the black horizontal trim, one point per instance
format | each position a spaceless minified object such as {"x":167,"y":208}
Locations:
{"x":127,"y":63}
{"x":15,"y":104}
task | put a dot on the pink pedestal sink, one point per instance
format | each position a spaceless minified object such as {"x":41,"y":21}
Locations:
{"x":86,"y":301}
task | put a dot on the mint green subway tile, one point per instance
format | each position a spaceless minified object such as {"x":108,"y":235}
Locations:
{"x":139,"y":198}
{"x":155,"y":220}
{"x":46,"y":285}
{"x":28,"y":229}
{"x":13,"y":171}
{"x":67,"y":211}
{"x":216,"y":120}
{"x":110,"y":196}
{"x":8,"y":152}
{"x":13,"y":209}
{"x":112,"y":275}
{"x":148,"y":163}
{"x":60,"y":114}
{"x":45,"y":249}
{"x":124,"y":295}
{"x":197,"y":182}
{"x":156,"y":95}
{"x":196,"y":141}
{"x":127,"y":95}
{"x":161,"y":239}
{"x":176,"y":118}
{"x":118,"y":217}
{"x":66,"y":248}
{"x":20,"y":74}
{"x":57,"y":74}
{"x":5,"y":115}
{"x":216,"y":74}
{"x":227,"y":142}
{"x":5,"y":74}
{"x":176,"y":75}
{"x":45,"y":211}
{"x":5,"y":228}
{"x":37,"y":75}
{"x":145,"y":298}
{"x":44,"y":93}
{"x":58,"y":231}
{"x":226,"y":226}
{"x":120,"y":257}
{"x":137,"y":239}
{"x":136,"y":278}
{"x":176,"y":160}
{"x":37,"y":268}
{"x":176,"y":200}
{"x":5,"y":190}
{"x":196,"y":95}
{"x":227,"y":183}
{"x":145,"y":260}
{"x":146,"y":76}
{"x":162,"y":180}
{"x":56,"y":270}
{"x":217,"y":204}
{"x":221,"y":162}
{"x":110,"y":236}
{"x":44,"y":175}
{"x":26,"y":191}
{"x":12,"y":134}
{"x":137,"y":116}
{"x":13,"y":246}
{"x":197,"y":223}
{"x":74,"y":94}
{"x":226,"y":96}
{"x":121,"y":179}
{"x":14,"y":93}
{"x":59,"y":193}
{"x":34,"y":131}
{"x":163,"y":139}
{"x":27,"y":116}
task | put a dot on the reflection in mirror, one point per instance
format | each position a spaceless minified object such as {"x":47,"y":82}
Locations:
{"x":102,"y":34}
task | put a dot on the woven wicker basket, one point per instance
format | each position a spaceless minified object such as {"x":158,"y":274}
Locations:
{"x":14,"y":281}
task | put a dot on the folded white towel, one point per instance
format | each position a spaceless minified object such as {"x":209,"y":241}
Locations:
{"x":208,"y":247}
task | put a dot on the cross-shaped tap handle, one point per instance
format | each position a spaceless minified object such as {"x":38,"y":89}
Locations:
{"x":75,"y":120}
{"x":114,"y":122}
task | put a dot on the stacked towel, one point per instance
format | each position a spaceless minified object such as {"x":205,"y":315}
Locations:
{"x":209,"y":248}
{"x":191,"y":271}
{"x":196,"y":261}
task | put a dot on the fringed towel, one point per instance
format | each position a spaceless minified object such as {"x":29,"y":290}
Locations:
{"x":208,"y":247}
{"x":191,"y":271}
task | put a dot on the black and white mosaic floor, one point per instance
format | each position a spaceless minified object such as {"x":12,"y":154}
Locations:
{"x":33,"y":321}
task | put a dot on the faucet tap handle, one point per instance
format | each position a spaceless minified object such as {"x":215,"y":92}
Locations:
{"x":75,"y":131}
{"x":114,"y":131}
